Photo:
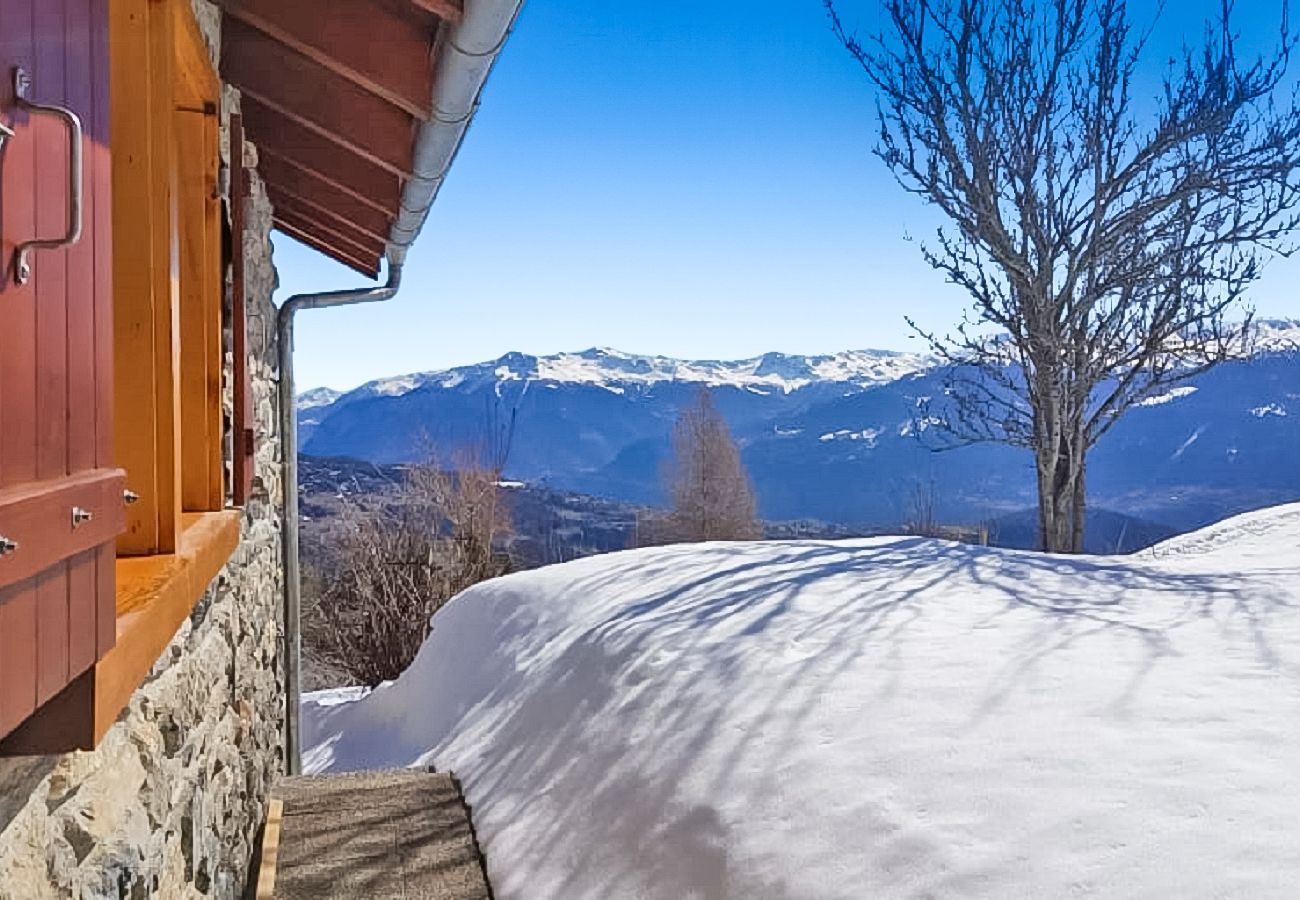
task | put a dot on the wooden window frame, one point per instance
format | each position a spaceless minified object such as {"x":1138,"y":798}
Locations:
{"x":168,"y":286}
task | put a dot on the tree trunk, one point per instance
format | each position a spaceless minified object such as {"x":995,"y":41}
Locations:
{"x":1061,"y":504}
{"x":1079,"y":506}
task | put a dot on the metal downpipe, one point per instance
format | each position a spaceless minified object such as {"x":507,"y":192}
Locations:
{"x":289,"y":482}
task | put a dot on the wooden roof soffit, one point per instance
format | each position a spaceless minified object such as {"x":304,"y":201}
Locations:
{"x":333,"y":94}
{"x":347,"y":257}
{"x":300,"y":184}
{"x":370,"y":44}
{"x":325,"y":222}
{"x":313,"y":97}
{"x":301,"y":148}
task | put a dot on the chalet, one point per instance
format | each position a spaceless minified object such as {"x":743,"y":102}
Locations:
{"x":148,"y":503}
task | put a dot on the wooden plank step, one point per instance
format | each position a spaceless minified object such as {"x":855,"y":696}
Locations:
{"x":395,"y":834}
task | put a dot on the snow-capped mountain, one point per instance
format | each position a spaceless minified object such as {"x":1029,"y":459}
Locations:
{"x":840,"y":437}
{"x":1278,"y":335}
{"x":615,"y":371}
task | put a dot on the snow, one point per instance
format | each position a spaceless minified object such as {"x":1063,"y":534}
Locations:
{"x":1192,"y":439}
{"x":396,"y":387}
{"x":1277,"y":335}
{"x":1168,"y":396}
{"x":317,"y":397}
{"x":1272,"y":409}
{"x":867,"y":434}
{"x":907,"y":429}
{"x":888,"y":717}
{"x":615,"y":370}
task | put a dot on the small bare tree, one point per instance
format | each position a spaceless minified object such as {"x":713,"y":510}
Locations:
{"x":713,"y":499}
{"x":1105,"y":257}
{"x":922,"y":515}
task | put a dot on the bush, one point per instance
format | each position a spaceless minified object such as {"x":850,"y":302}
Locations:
{"x":393,"y":565}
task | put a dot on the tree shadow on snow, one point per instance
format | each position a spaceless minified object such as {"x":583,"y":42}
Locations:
{"x":825,"y":606}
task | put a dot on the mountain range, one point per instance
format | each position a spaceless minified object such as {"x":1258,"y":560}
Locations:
{"x":836,"y":438}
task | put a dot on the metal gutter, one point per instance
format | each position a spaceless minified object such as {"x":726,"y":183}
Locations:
{"x":463,"y":69}
{"x":289,"y":482}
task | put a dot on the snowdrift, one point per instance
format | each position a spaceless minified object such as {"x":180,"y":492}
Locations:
{"x":877,"y":718}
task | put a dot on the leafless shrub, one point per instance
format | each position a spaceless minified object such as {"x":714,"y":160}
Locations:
{"x":398,"y":562}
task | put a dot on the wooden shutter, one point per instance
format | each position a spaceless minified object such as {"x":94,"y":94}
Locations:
{"x":61,"y":499}
{"x":242,"y":431}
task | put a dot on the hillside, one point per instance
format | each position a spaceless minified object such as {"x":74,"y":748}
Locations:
{"x":837,"y":438}
{"x":801,"y":719}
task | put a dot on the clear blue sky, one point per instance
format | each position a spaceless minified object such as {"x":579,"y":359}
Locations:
{"x":662,"y":176}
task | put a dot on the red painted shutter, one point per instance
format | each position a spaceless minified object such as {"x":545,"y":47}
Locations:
{"x":242,"y":419}
{"x":61,"y":502}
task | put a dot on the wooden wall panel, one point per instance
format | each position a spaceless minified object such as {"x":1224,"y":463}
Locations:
{"x":56,"y":288}
{"x":17,"y":654}
{"x":18,"y":336}
{"x":17,"y":358}
{"x":90,"y":377}
{"x":101,"y":565}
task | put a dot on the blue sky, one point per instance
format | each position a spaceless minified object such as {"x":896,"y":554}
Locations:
{"x":662,"y":176}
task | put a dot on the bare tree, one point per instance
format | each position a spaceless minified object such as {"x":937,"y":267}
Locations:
{"x":713,"y":499}
{"x":1105,"y":256}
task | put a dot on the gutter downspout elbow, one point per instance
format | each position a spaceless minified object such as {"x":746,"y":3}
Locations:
{"x":289,"y":484}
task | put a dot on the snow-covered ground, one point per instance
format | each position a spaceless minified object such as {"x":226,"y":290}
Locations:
{"x":877,"y":718}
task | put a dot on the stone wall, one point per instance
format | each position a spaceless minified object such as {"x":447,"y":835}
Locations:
{"x":170,"y":803}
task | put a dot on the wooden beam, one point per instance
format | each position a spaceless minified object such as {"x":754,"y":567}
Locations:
{"x":322,"y":197}
{"x":314,"y":97}
{"x":145,"y":283}
{"x":448,"y":10}
{"x":242,"y":415}
{"x":196,"y":81}
{"x":369,"y":268}
{"x":393,"y":60}
{"x":293,"y":145}
{"x":201,"y":280}
{"x":352,"y":241}
{"x":270,"y":863}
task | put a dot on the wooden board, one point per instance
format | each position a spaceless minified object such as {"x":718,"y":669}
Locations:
{"x":243,"y":430}
{"x":270,"y":850}
{"x":145,"y":278}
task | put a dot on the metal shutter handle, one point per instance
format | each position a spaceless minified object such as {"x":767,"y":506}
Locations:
{"x":22,"y":86}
